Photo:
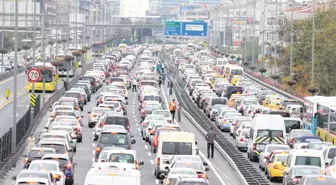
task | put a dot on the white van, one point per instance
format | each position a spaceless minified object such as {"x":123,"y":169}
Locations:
{"x":305,"y":157}
{"x":171,"y":144}
{"x":265,"y":129}
{"x":113,"y":176}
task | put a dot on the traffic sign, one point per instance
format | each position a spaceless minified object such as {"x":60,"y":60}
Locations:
{"x":34,"y":75}
{"x":172,"y":28}
{"x":194,"y":28}
{"x":32,"y":100}
{"x":77,"y":65}
{"x":56,"y":78}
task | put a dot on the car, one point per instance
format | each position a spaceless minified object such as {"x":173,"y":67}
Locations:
{"x":113,"y":137}
{"x":49,"y":166}
{"x":317,"y":179}
{"x":36,"y":153}
{"x":35,"y":176}
{"x":294,"y":174}
{"x":61,"y":134}
{"x":175,"y":173}
{"x":268,"y":150}
{"x":95,"y":114}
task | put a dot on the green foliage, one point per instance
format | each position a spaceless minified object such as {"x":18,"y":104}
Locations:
{"x":249,"y":49}
{"x":325,"y":46}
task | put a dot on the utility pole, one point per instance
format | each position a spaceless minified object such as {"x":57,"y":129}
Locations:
{"x":57,"y":27}
{"x":2,"y":34}
{"x":263,"y":30}
{"x":276,"y":35}
{"x":76,"y":26}
{"x":43,"y":47}
{"x":32,"y":110}
{"x":245,"y":43}
{"x":239,"y":27}
{"x":15,"y":77}
{"x":291,"y":46}
{"x":253,"y":37}
{"x":313,"y":47}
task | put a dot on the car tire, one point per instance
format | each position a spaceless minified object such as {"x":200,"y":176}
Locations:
{"x":75,"y":149}
{"x":82,"y":108}
{"x":79,"y":140}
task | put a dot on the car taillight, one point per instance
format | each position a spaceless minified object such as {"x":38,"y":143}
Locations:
{"x":56,"y":176}
{"x":158,"y":161}
{"x":82,"y":98}
{"x":202,"y":175}
{"x":105,"y":123}
{"x":296,"y":180}
{"x":241,"y":139}
{"x":98,"y":125}
{"x":142,"y":112}
{"x":97,"y":149}
{"x":77,"y":108}
{"x":254,"y":147}
{"x":292,"y":140}
{"x":128,"y":126}
{"x":68,"y":166}
{"x":136,"y":164}
{"x":77,"y":129}
{"x":26,"y":160}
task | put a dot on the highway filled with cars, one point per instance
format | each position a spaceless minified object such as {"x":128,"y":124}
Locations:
{"x":115,"y":125}
{"x":261,"y":123}
{"x":102,"y":130}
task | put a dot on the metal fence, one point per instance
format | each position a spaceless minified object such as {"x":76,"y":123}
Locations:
{"x":8,"y":74}
{"x":24,"y":127}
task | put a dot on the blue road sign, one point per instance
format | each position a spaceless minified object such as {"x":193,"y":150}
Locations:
{"x":194,"y":28}
{"x":172,"y":28}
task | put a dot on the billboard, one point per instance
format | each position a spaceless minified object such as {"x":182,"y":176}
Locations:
{"x":241,"y":20}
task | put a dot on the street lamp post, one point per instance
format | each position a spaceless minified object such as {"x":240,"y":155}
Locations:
{"x":2,"y":34}
{"x":313,"y":47}
{"x":291,"y":45}
{"x":43,"y":47}
{"x":15,"y":77}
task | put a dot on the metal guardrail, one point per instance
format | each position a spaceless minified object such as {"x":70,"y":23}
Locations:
{"x":9,"y":74}
{"x":234,"y":157}
{"x":12,"y":159}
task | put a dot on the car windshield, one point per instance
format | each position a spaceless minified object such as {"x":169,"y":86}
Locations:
{"x":114,"y":138}
{"x":152,"y":107}
{"x":332,"y":153}
{"x":163,"y":113}
{"x":38,"y":153}
{"x":31,"y":183}
{"x":36,"y":175}
{"x":62,"y":108}
{"x":320,"y":181}
{"x":60,"y":149}
{"x":101,"y":111}
{"x":307,"y":171}
{"x":121,"y":158}
{"x":270,"y":133}
{"x":231,"y":116}
{"x":281,"y":158}
{"x":221,"y":101}
{"x":65,"y":114}
{"x":250,"y":102}
{"x":62,"y":162}
{"x":195,"y":166}
{"x":149,"y":118}
{"x":184,"y":171}
{"x":43,"y":166}
{"x":272,"y":148}
{"x":176,"y":148}
{"x":308,"y":160}
{"x":302,"y":133}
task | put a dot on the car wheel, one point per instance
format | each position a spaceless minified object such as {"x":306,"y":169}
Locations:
{"x":75,"y":149}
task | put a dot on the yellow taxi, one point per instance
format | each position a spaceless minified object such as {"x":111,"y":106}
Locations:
{"x":272,"y":101}
{"x":214,"y":78}
{"x":275,"y":167}
{"x":232,"y":99}
{"x":235,"y":79}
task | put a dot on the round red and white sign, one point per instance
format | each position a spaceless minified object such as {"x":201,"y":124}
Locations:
{"x":34,"y":75}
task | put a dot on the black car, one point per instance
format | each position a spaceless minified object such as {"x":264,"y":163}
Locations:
{"x":36,"y":153}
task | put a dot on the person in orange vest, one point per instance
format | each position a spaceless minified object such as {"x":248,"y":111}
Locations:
{"x":172,"y":108}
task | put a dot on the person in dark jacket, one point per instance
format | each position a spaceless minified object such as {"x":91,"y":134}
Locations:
{"x":65,"y":84}
{"x":210,"y":137}
{"x":171,"y":88}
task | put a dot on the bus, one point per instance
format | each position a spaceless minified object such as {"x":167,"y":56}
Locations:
{"x":326,"y":120}
{"x":122,"y":46}
{"x":68,"y":68}
{"x":48,"y":77}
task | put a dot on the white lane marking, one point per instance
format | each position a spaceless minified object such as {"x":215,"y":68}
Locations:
{"x":93,"y":152}
{"x":135,"y":120}
{"x":157,"y":181}
{"x":92,"y":133}
{"x":139,"y":129}
{"x":201,"y":154}
{"x":149,"y":154}
{"x":93,"y":145}
{"x":93,"y":160}
{"x":133,"y":105}
{"x":134,"y":116}
{"x":151,"y":161}
{"x":146,"y":146}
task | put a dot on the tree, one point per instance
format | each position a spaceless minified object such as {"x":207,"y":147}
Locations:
{"x":249,"y":49}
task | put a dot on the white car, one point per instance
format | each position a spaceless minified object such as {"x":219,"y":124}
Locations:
{"x":268,"y":149}
{"x":49,"y":166}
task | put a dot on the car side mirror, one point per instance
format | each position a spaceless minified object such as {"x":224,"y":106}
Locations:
{"x":205,"y":163}
{"x":14,"y":178}
{"x":89,"y":112}
{"x":167,"y":168}
{"x":197,"y":151}
{"x":195,"y":142}
{"x":207,"y":169}
{"x":283,"y":163}
{"x":167,"y":162}
{"x":132,"y":136}
{"x":82,"y":116}
{"x":70,"y":150}
{"x":95,"y":138}
{"x":141,"y":163}
{"x":133,"y":141}
{"x":162,"y":177}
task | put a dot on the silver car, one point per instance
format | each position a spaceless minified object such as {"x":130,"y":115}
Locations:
{"x":242,"y":139}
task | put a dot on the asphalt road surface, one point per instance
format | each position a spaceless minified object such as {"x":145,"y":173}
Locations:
{"x":220,"y":172}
